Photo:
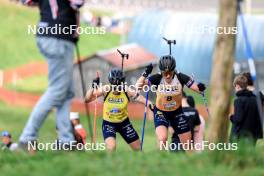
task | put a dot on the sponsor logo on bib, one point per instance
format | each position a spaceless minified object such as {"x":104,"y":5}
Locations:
{"x":116,"y":100}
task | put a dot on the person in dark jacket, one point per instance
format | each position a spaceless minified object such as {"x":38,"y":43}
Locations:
{"x":194,"y":122}
{"x":246,"y":124}
{"x":251,"y":86}
{"x":56,"y":37}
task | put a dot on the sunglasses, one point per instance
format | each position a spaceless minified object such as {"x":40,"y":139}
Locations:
{"x":168,"y":73}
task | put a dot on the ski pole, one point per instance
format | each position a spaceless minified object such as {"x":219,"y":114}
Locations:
{"x":84,"y":90}
{"x":205,"y":102}
{"x":95,"y":113}
{"x":170,"y":42}
{"x":144,"y":120}
{"x":123,"y":55}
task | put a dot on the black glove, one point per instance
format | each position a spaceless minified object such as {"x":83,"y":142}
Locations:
{"x":151,"y":107}
{"x":75,"y":5}
{"x":148,"y":70}
{"x":201,"y":87}
{"x":96,"y":82}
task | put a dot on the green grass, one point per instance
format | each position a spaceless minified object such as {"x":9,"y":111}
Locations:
{"x":244,"y":162}
{"x":13,"y":119}
{"x":99,"y":12}
{"x":197,"y":97}
{"x":17,"y":47}
{"x":33,"y":85}
{"x":127,"y":163}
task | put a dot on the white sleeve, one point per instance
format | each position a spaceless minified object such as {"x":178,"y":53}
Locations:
{"x":13,"y":147}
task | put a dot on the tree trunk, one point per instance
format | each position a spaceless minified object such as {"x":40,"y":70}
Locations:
{"x":221,"y":78}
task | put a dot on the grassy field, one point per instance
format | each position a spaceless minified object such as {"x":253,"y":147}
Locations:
{"x":17,"y":47}
{"x":123,"y":162}
{"x":130,"y":164}
{"x":32,"y":85}
{"x":13,"y":119}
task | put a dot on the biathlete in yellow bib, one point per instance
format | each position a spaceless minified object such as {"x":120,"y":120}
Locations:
{"x":115,"y":109}
{"x":168,"y":109}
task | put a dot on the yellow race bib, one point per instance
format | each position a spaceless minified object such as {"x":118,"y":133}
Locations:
{"x":115,"y":107}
